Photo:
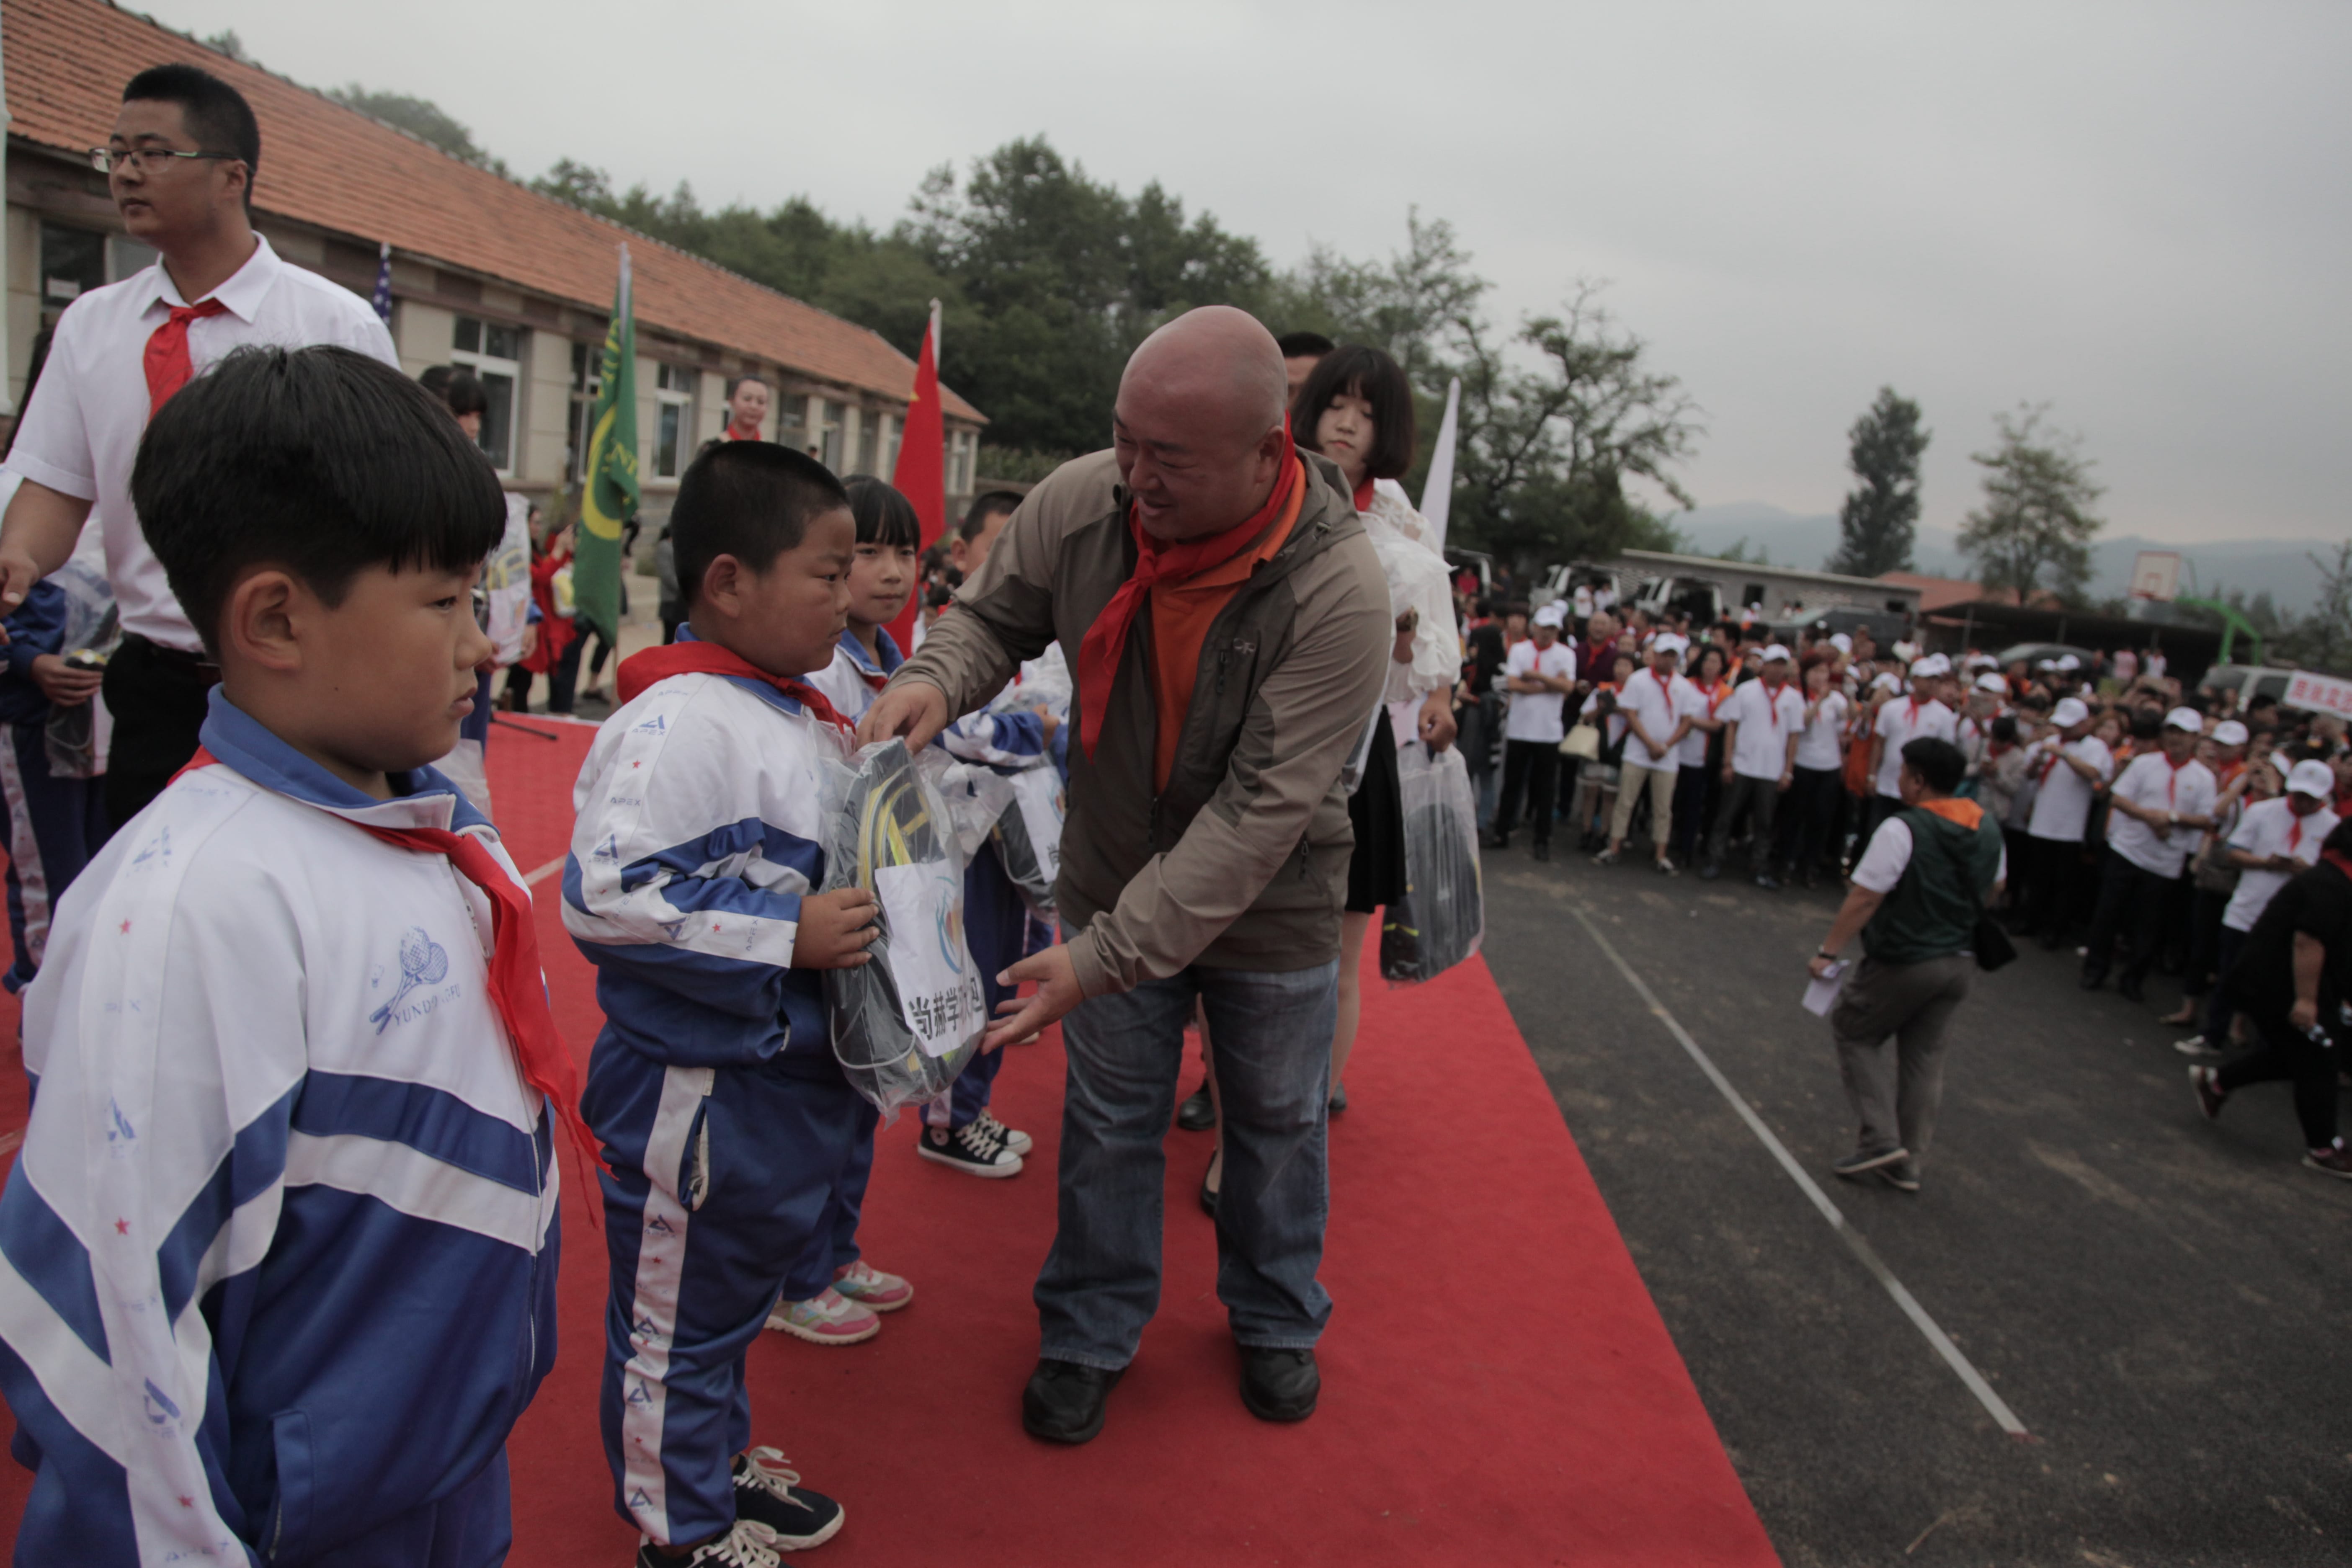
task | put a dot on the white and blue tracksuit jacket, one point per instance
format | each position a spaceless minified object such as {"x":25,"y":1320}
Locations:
{"x":54,"y":823}
{"x":277,"y":1261}
{"x":726,"y":1120}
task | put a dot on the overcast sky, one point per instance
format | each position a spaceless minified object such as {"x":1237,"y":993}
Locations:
{"x":2135,"y":213}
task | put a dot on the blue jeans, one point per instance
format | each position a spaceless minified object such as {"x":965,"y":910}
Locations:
{"x":1270,"y":1035}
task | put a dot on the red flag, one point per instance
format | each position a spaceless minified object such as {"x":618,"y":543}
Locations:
{"x":921,"y":475}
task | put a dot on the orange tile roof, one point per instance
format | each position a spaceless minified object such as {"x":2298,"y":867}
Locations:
{"x":331,"y":167}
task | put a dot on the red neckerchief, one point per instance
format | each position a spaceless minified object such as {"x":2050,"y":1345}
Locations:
{"x":1715,"y":694}
{"x":640,"y":671}
{"x":517,"y":982}
{"x":1364,"y":495}
{"x":1155,"y":563}
{"x":2172,"y":780}
{"x":2295,"y":828}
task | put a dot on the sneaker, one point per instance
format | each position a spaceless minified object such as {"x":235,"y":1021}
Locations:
{"x":1012,"y":1138}
{"x":768,"y":1494}
{"x":1709,"y":872}
{"x":1606,"y":858}
{"x":2211,"y":1095}
{"x":1769,"y":882}
{"x":1902,"y":1175}
{"x":1862,"y":1162}
{"x":828,"y":1318}
{"x":1666,"y":868}
{"x":2196,"y":1046}
{"x":2330,"y":1162}
{"x":973,"y":1148}
{"x":871,"y":1289}
{"x":750,"y":1544}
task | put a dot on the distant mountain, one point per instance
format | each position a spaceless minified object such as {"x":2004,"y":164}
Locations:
{"x":2280,"y":567}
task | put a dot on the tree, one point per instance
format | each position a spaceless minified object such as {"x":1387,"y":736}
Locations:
{"x":229,"y":44}
{"x":1881,"y":515}
{"x":420,"y":117}
{"x":2322,"y":640}
{"x":2036,"y":516}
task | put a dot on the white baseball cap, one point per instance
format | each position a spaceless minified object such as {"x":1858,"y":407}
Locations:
{"x":1667,"y":642}
{"x":1887,"y":681}
{"x":2067,"y":661}
{"x":1553,"y":615}
{"x":2230,"y":732}
{"x":2048,"y":664}
{"x":1928,"y":668}
{"x":2069,"y":711}
{"x":2187,"y":719}
{"x":1992,"y":683}
{"x":2311,"y":778}
{"x":1775,"y":651}
{"x":1842,"y":642}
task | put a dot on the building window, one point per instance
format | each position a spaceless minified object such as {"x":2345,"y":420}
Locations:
{"x":587,"y":381}
{"x":673,"y":387}
{"x":73,"y":262}
{"x":870,"y":441}
{"x":961,"y":444}
{"x":829,"y":435}
{"x":894,"y":431}
{"x":494,"y":354}
{"x":791,"y":421}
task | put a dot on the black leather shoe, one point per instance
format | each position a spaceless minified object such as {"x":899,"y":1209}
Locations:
{"x":1279,"y":1385}
{"x":1208,"y":1198}
{"x":1196,"y":1115}
{"x":1064,"y":1402}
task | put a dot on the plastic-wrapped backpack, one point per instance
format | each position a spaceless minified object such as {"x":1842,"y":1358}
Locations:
{"x":1029,"y":837}
{"x":904,"y":1024}
{"x":1442,"y":918}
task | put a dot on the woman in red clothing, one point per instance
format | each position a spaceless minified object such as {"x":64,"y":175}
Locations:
{"x":556,"y":628}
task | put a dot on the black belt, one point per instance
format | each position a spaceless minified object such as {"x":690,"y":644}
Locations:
{"x":195,"y":664}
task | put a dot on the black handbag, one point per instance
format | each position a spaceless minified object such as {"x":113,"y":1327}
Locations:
{"x":1990,"y":943}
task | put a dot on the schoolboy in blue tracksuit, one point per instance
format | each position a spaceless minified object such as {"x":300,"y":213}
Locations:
{"x":53,"y":823}
{"x":279,"y":1252}
{"x":691,"y":888}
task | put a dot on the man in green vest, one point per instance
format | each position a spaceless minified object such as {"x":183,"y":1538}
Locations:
{"x":1917,"y":890}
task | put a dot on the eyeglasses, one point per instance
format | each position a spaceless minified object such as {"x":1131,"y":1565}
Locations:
{"x":146,"y":160}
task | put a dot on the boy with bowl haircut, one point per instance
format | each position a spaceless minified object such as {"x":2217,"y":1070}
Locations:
{"x":280,"y":1249}
{"x":691,"y":887}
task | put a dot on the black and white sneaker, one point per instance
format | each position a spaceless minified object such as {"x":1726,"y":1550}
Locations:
{"x":771,"y":1496}
{"x":1862,"y":1162}
{"x":1902,"y":1175}
{"x":1018,"y":1142}
{"x":975,"y":1149}
{"x":749,"y":1545}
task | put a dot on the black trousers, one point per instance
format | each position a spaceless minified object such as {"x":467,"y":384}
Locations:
{"x":1807,"y":814}
{"x":1875,"y":808}
{"x":1758,"y":798}
{"x":2056,"y":865}
{"x":1530,"y":770}
{"x":2282,"y":1051}
{"x":2130,"y":898}
{"x":158,"y":697}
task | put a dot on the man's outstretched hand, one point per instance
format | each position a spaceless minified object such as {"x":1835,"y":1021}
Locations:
{"x":915,"y":711}
{"x":1057,"y":991}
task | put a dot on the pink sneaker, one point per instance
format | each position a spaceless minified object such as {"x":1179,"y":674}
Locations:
{"x":828,"y":1318}
{"x":871,"y":1289}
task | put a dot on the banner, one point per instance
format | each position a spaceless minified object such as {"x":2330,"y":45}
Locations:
{"x":1437,"y":491}
{"x":2319,"y":693}
{"x":921,"y":474}
{"x":608,"y":491}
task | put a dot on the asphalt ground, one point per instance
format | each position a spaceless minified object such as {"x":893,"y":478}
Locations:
{"x":2162,"y":1301}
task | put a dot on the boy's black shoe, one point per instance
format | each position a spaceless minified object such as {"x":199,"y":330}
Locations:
{"x":768,"y":1494}
{"x":1197,"y":1114}
{"x":748,"y":1544}
{"x":1280,"y":1385}
{"x":1064,"y":1402}
{"x":975,"y":1149}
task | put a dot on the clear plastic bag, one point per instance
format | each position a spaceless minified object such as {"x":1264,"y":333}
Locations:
{"x":904,"y":1024}
{"x":1442,"y":918}
{"x":1029,"y":837}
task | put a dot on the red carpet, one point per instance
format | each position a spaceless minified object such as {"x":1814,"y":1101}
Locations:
{"x":1498,"y":1387}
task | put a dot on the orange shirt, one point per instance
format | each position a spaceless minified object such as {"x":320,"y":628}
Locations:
{"x":1180,"y":613}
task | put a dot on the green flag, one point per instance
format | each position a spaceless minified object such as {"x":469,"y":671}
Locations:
{"x":608,"y":496}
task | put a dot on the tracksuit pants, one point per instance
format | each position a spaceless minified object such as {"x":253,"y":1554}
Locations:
{"x":54,"y":826}
{"x":718,"y":1179}
{"x":1889,"y":1024}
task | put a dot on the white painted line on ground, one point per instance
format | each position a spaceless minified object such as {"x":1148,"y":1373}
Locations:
{"x":544,"y":872}
{"x":1993,"y":1403}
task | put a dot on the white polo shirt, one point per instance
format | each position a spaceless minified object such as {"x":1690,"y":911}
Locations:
{"x":1660,"y":708}
{"x":2062,"y":806}
{"x":2150,"y":781}
{"x":1535,"y":715}
{"x":1902,"y":720}
{"x":1700,"y":703}
{"x":1817,"y":748}
{"x":1766,"y":719}
{"x":2270,"y":828}
{"x":80,"y":434}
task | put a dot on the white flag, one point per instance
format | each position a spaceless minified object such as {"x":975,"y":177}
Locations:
{"x":1437,"y":491}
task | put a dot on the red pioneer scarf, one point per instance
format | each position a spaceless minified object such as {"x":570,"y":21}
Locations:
{"x":1155,"y":563}
{"x":640,"y":671}
{"x":168,"y":366}
{"x":518,"y":983}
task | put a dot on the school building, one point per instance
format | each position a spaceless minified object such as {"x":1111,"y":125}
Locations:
{"x":484,"y":272}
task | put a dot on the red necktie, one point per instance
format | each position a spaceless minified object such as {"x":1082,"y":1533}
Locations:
{"x":640,"y":671}
{"x":168,"y":365}
{"x":1105,"y":641}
